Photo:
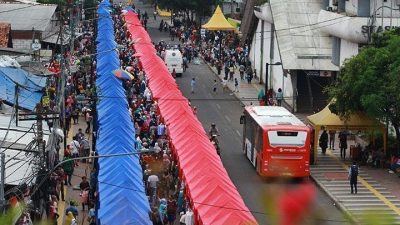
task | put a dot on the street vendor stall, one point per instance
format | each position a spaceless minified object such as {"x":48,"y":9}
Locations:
{"x":330,"y":121}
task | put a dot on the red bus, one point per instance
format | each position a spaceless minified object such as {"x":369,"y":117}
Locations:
{"x":276,"y":142}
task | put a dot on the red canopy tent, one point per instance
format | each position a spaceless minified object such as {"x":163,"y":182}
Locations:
{"x":214,"y":198}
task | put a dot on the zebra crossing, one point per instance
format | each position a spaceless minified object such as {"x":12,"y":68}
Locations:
{"x":372,"y":201}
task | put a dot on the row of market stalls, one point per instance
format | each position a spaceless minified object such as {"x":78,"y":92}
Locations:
{"x":213,"y":197}
{"x":122,"y":198}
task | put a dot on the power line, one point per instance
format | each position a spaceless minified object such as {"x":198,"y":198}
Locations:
{"x":215,"y":206}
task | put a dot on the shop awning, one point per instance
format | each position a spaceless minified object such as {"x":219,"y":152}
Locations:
{"x":218,"y":22}
{"x":356,"y":121}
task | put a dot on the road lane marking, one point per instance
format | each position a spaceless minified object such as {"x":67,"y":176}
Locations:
{"x":369,"y":187}
{"x":218,"y":106}
{"x":227,"y":118}
{"x":238,"y":133}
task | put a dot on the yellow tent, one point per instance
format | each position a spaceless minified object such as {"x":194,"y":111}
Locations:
{"x":330,"y":121}
{"x":218,"y":22}
{"x":163,"y":13}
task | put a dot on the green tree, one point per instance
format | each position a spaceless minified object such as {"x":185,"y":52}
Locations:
{"x":370,"y":82}
{"x":200,"y":7}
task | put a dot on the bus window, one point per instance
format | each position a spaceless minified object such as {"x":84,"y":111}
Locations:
{"x":287,"y":138}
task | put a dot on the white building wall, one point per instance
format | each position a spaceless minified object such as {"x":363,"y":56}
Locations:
{"x":276,"y":77}
{"x":347,"y":50}
{"x":351,"y":7}
{"x":22,"y":43}
{"x":376,"y":7}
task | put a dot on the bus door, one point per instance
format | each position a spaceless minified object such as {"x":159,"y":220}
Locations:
{"x":250,"y":138}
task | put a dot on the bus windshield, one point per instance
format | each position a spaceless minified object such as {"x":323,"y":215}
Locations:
{"x":287,"y":138}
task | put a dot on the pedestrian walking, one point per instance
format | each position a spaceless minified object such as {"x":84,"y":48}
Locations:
{"x":241,"y":71}
{"x":226,"y":71}
{"x":84,"y":187}
{"x":279,"y":97}
{"x":85,"y":148}
{"x":323,"y":141}
{"x":353,"y":174}
{"x":236,"y":85}
{"x":215,"y":84}
{"x":68,"y":167}
{"x":231,"y":71}
{"x":225,"y":85}
{"x":88,"y":119}
{"x":343,"y":144}
{"x":172,"y":206}
{"x":249,"y":74}
{"x":192,"y":84}
{"x":332,"y":134}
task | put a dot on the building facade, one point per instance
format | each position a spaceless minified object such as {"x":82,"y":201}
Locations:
{"x":29,"y":22}
{"x":311,"y":39}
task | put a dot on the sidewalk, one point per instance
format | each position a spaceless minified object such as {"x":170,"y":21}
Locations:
{"x":378,"y":189}
{"x":247,"y":92}
{"x":72,"y":192}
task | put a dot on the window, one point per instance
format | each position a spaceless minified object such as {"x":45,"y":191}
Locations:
{"x":287,"y":138}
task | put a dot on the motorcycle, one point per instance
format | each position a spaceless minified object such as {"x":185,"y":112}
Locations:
{"x":215,"y":142}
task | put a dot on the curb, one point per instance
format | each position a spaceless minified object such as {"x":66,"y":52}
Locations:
{"x":338,"y":204}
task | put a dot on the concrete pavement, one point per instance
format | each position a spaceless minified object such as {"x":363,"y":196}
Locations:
{"x":72,"y":192}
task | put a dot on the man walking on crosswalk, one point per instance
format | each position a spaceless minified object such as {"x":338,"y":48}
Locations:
{"x":353,"y":173}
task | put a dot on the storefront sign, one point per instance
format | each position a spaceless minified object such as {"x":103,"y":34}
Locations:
{"x":318,"y":73}
{"x":369,"y":29}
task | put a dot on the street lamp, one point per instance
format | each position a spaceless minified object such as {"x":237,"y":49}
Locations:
{"x":266,"y":74}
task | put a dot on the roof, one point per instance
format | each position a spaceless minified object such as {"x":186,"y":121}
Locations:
{"x":301,"y":43}
{"x":24,"y":17}
{"x":356,"y":121}
{"x":273,"y":115}
{"x":218,"y":22}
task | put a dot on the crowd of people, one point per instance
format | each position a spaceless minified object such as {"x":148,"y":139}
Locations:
{"x":160,"y":170}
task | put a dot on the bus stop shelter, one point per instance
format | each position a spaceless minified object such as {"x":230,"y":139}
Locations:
{"x":330,"y":121}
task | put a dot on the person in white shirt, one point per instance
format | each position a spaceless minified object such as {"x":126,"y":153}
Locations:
{"x":75,"y":146}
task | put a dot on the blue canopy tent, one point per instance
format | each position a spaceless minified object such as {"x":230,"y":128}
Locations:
{"x":29,"y":87}
{"x":122,"y":199}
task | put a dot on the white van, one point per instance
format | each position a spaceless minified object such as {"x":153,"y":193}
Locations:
{"x":173,"y":60}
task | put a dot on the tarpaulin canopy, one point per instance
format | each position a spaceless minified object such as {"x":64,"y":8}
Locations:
{"x":356,"y":121}
{"x":218,"y":22}
{"x":29,"y":87}
{"x":120,"y":179}
{"x":206,"y":180}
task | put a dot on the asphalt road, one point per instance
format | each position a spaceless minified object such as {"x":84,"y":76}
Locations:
{"x":225,"y":110}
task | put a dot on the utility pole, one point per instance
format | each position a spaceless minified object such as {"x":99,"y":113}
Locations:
{"x":39,"y":135}
{"x":2,"y":182}
{"x":62,"y":77}
{"x":72,"y":27}
{"x":16,"y":104}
